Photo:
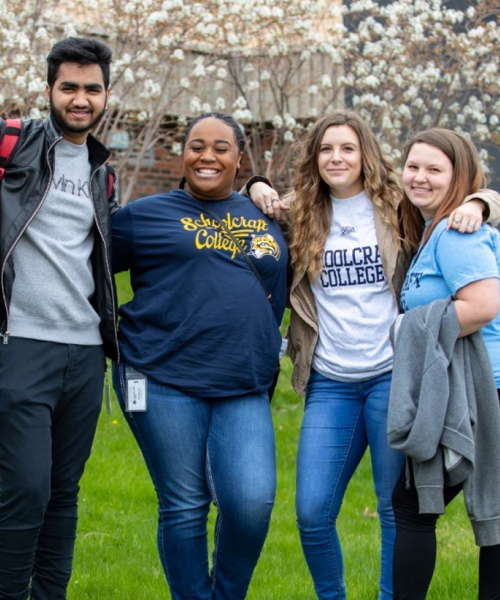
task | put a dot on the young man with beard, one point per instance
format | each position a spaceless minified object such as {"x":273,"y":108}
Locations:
{"x":57,"y":315}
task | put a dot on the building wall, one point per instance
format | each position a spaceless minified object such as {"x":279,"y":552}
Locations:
{"x":166,"y":172}
{"x":163,"y":172}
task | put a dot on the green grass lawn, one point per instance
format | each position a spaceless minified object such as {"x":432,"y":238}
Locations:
{"x":116,"y":555}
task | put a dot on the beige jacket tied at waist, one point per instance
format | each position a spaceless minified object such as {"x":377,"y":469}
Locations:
{"x":302,"y":333}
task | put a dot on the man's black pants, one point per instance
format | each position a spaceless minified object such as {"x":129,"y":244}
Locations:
{"x":50,"y":399}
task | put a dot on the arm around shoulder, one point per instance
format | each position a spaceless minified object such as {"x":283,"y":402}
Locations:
{"x":122,"y":240}
{"x":112,"y":182}
{"x":491,"y":199}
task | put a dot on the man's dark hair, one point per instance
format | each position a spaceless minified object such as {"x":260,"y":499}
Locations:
{"x":81,"y":51}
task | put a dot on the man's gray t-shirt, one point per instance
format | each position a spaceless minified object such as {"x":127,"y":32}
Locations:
{"x":54,"y":281}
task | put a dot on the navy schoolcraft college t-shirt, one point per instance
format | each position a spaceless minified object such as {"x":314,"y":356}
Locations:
{"x":200,"y":320}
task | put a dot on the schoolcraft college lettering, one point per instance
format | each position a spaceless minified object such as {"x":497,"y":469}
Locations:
{"x":209,"y":234}
{"x":232,"y":223}
{"x":359,"y":266}
{"x":217,"y":241}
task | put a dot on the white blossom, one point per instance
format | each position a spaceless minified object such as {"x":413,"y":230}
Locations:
{"x":199,"y":71}
{"x":240,"y":102}
{"x":277,"y":122}
{"x":243,"y":115}
{"x":371,"y":81}
{"x":35,"y":114}
{"x":178,"y":54}
{"x":252,"y":86}
{"x":128,"y":75}
{"x":290,"y":122}
{"x":195,"y":105}
{"x":176,"y":148}
{"x":220,"y":103}
{"x":326,"y":81}
{"x":404,"y":111}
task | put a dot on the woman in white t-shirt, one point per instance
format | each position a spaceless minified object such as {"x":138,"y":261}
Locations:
{"x":348,"y":270}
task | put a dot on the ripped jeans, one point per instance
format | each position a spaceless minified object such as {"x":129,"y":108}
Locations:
{"x":200,"y":451}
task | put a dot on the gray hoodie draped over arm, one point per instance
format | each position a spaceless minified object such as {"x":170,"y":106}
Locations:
{"x":444,"y":415}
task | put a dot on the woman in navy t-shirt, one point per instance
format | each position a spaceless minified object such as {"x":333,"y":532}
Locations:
{"x":199,"y":347}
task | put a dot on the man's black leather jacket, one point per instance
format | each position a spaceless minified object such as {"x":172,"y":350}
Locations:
{"x":23,"y":189}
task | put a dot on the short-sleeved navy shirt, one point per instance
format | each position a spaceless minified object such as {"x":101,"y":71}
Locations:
{"x":200,"y":320}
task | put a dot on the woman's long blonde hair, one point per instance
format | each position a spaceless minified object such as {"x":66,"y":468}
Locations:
{"x":468,"y":178}
{"x":311,"y":212}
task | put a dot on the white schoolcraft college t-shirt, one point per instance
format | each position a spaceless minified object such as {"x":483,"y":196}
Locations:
{"x":354,"y":303}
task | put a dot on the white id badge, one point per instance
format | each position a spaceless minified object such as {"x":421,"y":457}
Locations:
{"x":137,"y":389}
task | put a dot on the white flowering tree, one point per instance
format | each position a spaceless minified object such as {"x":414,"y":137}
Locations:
{"x":405,"y":66}
{"x":272,"y":68}
{"x":154,"y":43}
{"x":415,"y":64}
{"x":274,"y":65}
{"x":27,"y":31}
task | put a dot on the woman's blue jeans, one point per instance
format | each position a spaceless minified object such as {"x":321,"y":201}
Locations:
{"x":200,"y":451}
{"x":340,"y":421}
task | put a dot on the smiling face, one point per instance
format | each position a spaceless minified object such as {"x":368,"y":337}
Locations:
{"x":77,"y":99}
{"x":211,"y":159}
{"x":340,"y":161}
{"x":427,"y":177}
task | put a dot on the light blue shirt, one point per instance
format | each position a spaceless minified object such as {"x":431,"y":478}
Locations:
{"x":450,"y":261}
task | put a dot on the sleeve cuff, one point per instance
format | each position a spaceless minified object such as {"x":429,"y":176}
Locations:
{"x":256,"y":179}
{"x":481,"y":198}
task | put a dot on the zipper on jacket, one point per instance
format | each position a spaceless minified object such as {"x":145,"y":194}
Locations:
{"x":6,"y":333}
{"x":108,"y":269}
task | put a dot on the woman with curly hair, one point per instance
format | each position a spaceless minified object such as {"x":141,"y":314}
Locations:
{"x":349,"y":264}
{"x":344,"y":248}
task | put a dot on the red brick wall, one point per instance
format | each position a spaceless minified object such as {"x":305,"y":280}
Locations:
{"x":167,"y":173}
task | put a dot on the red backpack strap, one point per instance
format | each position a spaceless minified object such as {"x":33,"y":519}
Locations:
{"x":111,"y":179}
{"x":9,"y":141}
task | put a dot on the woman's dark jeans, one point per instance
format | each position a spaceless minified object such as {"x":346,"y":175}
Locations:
{"x":200,"y":451}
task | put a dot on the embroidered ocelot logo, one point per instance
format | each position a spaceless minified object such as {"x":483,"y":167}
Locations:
{"x":349,"y":229}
